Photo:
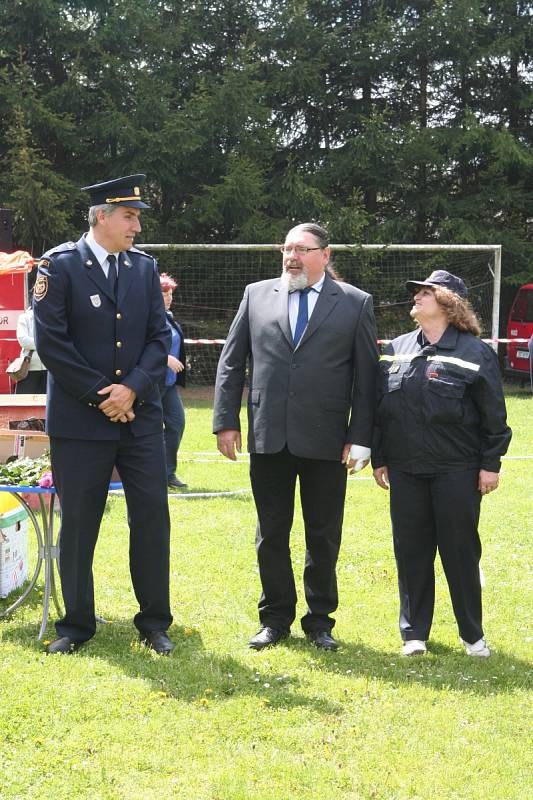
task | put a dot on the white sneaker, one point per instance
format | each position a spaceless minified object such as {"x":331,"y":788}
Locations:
{"x":414,"y":647}
{"x":479,"y":648}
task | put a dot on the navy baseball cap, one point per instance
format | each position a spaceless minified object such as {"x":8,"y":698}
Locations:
{"x":441,"y":278}
{"x":118,"y":192}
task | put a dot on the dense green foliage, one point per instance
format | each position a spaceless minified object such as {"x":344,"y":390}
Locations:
{"x":388,"y":120}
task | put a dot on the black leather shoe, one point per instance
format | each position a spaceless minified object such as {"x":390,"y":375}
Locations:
{"x":64,"y":645}
{"x":267,"y":637}
{"x":158,"y":641}
{"x":175,"y":483}
{"x":322,"y":639}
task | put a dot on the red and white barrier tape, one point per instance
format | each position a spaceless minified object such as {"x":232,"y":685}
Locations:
{"x":380,"y":341}
{"x":204,"y":341}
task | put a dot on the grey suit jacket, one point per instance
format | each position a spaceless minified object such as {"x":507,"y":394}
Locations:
{"x":313,"y":398}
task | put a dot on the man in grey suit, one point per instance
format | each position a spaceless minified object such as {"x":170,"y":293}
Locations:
{"x":311,"y":345}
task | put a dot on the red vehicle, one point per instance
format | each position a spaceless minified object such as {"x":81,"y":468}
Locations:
{"x":520,"y":326}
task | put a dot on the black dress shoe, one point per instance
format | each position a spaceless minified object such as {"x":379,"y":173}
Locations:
{"x":267,"y":637}
{"x":322,"y":639}
{"x":63,"y":645}
{"x":175,"y":483}
{"x":158,"y":641}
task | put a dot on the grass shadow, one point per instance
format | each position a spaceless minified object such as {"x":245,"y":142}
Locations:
{"x":190,"y":673}
{"x":442,"y":668}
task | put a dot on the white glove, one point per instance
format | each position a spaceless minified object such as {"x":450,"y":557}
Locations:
{"x":360,"y":454}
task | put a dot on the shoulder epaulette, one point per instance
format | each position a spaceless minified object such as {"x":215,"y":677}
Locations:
{"x":140,"y":252}
{"x":65,"y":247}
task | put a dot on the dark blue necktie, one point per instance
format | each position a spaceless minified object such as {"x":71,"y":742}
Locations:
{"x":112,"y":274}
{"x":303,"y":315}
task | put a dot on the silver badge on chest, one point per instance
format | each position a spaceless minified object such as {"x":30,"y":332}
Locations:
{"x":96,"y":300}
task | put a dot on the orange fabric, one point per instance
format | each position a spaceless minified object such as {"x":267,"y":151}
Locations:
{"x":19,"y":261}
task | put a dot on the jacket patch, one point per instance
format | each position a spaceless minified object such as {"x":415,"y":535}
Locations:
{"x":41,"y":287}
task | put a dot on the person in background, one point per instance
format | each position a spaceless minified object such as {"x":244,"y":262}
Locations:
{"x":173,"y":411}
{"x":35,"y":383}
{"x":311,"y":344}
{"x":101,"y":331}
{"x":440,"y":433}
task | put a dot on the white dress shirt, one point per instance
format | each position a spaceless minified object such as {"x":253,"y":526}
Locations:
{"x":294,"y":302}
{"x":100,"y":252}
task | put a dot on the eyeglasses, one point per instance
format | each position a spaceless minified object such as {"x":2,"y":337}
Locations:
{"x":300,"y":251}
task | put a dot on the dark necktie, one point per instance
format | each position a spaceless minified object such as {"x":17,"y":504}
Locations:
{"x":112,"y":274}
{"x":303,"y":315}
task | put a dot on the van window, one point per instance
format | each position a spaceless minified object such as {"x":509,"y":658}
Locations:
{"x":522,"y":310}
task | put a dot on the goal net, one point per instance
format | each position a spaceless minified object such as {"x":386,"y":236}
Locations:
{"x":211,"y":281}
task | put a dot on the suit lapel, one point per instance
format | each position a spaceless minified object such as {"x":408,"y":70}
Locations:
{"x":93,"y":270}
{"x":126,"y":274}
{"x":96,"y":274}
{"x":327,"y":300}
{"x":281,"y":311}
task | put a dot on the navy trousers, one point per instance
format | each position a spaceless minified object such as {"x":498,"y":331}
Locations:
{"x":322,"y":493}
{"x":82,"y":471}
{"x":174,"y":419}
{"x":430,"y":513}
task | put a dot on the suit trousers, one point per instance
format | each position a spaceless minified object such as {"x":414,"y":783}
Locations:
{"x":430,"y":513}
{"x":82,"y":471}
{"x":322,"y":493}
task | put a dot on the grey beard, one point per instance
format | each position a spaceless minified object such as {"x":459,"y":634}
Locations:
{"x":294,"y":283}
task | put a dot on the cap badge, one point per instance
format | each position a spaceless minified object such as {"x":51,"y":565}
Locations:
{"x":137,"y":191}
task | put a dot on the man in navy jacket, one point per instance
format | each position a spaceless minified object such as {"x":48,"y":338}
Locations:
{"x":101,"y":332}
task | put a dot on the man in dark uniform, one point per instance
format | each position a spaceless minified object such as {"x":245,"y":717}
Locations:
{"x":101,"y":332}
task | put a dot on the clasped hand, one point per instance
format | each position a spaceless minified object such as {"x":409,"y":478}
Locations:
{"x":119,"y":401}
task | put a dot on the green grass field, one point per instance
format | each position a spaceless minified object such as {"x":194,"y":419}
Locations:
{"x":216,"y":721}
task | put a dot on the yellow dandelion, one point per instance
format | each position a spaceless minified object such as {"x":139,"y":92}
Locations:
{"x":204,"y":702}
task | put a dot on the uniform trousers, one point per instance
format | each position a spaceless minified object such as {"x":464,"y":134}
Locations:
{"x":430,"y":513}
{"x":174,"y":420}
{"x":82,"y":471}
{"x":322,"y":494}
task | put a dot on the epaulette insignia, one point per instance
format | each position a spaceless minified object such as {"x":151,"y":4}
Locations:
{"x":60,"y":248}
{"x":43,"y":263}
{"x":41,"y":287}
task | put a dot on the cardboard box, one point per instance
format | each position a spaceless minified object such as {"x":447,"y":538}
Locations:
{"x":13,"y":549}
{"x":22,"y":444}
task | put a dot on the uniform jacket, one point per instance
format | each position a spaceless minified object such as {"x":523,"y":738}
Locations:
{"x":440,"y":407}
{"x":313,"y":398}
{"x":87,"y":340}
{"x":182,"y":355}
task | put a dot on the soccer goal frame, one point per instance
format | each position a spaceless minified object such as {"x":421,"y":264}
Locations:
{"x":175,"y":258}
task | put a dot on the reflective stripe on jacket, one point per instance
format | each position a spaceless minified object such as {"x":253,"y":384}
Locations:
{"x":440,"y":407}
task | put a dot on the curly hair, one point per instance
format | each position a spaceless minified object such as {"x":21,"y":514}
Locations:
{"x":168,"y":284}
{"x":458,"y":310}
